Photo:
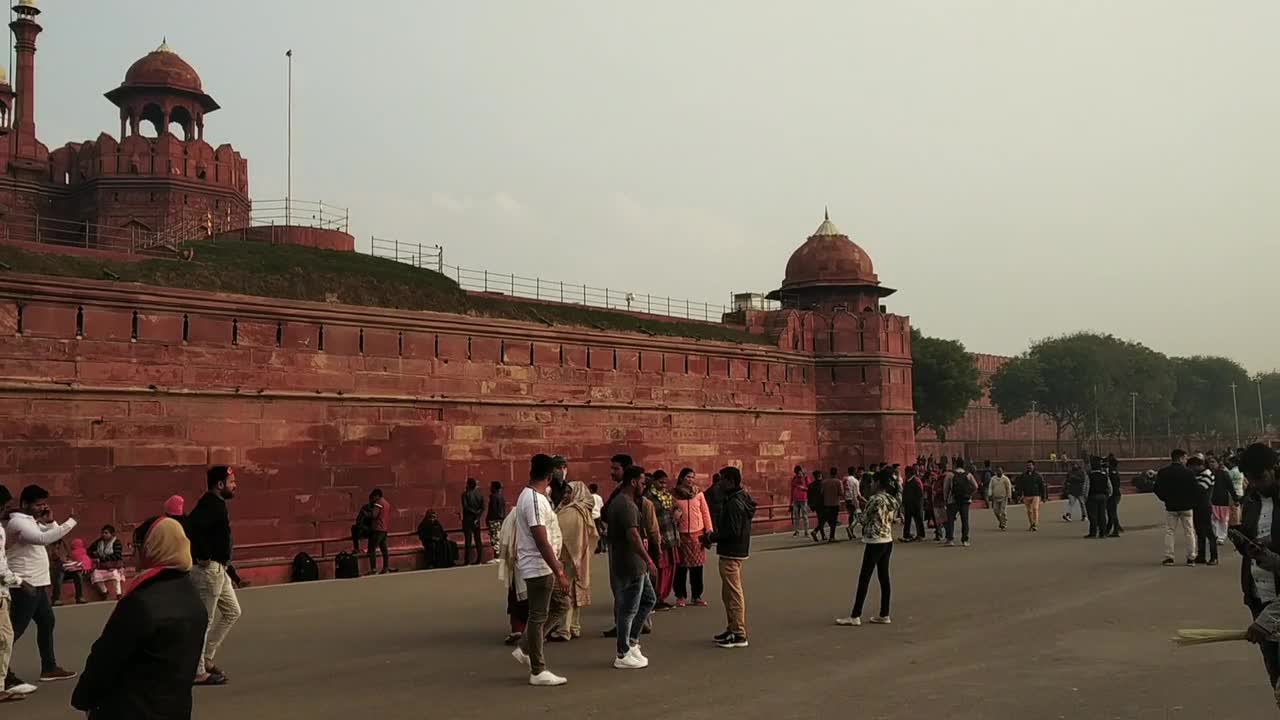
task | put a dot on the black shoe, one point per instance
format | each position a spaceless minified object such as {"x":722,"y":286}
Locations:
{"x":611,"y":632}
{"x":646,"y":629}
{"x":1213,"y":562}
{"x":1090,"y":536}
{"x":1114,"y":533}
{"x":733,"y":641}
{"x":722,"y":636}
{"x":1168,"y":562}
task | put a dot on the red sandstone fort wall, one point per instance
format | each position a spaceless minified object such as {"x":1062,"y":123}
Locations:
{"x":115,"y":396}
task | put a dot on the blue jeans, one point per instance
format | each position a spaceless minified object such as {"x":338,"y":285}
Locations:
{"x":633,"y":600}
{"x":800,"y":516}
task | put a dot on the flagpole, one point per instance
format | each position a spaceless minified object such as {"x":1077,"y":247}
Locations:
{"x":288,"y":193}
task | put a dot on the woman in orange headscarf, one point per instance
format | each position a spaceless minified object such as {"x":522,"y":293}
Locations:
{"x":143,"y":663}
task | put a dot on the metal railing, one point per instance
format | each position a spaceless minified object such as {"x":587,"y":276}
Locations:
{"x":535,"y":288}
{"x":134,"y":240}
{"x":301,"y":213}
{"x":415,"y":254}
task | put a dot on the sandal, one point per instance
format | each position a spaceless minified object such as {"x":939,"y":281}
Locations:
{"x":211,"y":679}
{"x":214,"y":670}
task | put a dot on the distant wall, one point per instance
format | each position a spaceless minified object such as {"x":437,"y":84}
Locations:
{"x":115,"y":396}
{"x":322,"y":238}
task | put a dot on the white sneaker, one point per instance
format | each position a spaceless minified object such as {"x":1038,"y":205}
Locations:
{"x":520,"y":656}
{"x":631,"y":661}
{"x":22,"y":689}
{"x":881,"y":620}
{"x":635,"y":650}
{"x":546,"y":678}
{"x":849,"y":621}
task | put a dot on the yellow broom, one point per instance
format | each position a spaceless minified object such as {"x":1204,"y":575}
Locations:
{"x":1196,"y":636}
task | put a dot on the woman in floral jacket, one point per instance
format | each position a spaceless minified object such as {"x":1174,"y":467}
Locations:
{"x":877,"y":535}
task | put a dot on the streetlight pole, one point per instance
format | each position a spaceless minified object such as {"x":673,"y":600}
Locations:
{"x":1262,"y":419}
{"x":288,"y":192}
{"x":1035,"y":419}
{"x":1133,"y":423}
{"x":1235,"y":408}
{"x":1097,"y":436}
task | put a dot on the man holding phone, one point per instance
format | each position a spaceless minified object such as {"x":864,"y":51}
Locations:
{"x":29,"y":531}
{"x":1256,"y":541}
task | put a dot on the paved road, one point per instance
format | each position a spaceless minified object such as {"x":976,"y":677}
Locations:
{"x":1044,"y":625}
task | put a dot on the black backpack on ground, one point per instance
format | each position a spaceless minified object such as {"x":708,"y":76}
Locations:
{"x":961,"y":487}
{"x":303,"y":569}
{"x":346,"y":566}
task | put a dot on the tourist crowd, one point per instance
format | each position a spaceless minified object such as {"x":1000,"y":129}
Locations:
{"x":174,"y":613}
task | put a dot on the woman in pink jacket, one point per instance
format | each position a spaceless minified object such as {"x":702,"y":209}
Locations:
{"x":693,"y":520}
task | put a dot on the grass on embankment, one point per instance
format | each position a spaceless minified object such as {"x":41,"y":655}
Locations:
{"x":300,"y":273}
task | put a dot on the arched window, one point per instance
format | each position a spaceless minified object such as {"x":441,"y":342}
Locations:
{"x":181,"y":117}
{"x":152,"y":113}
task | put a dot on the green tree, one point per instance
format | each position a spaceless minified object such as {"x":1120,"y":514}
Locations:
{"x":944,"y":381}
{"x":1082,"y":383}
{"x":1202,"y":406}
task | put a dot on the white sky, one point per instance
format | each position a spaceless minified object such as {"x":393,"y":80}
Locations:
{"x":1016,"y":168}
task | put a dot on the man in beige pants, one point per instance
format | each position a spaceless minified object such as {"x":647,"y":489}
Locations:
{"x":209,"y":529}
{"x":7,"y":580}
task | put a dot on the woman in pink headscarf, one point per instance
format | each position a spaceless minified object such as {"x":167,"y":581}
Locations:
{"x":174,"y":507}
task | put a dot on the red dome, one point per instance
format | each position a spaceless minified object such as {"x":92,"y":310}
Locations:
{"x":163,"y":68}
{"x":829,"y":258}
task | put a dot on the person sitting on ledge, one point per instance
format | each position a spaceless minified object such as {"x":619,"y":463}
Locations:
{"x":440,"y":551}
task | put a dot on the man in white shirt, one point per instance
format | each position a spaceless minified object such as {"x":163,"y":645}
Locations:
{"x":538,"y":569}
{"x":8,"y":580}
{"x":28,"y":531}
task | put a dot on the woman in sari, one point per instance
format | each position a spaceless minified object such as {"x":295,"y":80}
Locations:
{"x":580,"y":536}
{"x":142,"y":665}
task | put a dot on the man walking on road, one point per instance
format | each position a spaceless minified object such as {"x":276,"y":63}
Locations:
{"x":1202,"y":512}
{"x":958,"y":488}
{"x":732,"y":537}
{"x":1176,"y":487}
{"x":630,"y":571}
{"x":999,"y":490}
{"x":1075,"y":491}
{"x":209,"y":529}
{"x":1098,"y":492}
{"x":832,"y":495}
{"x":1031,"y":487}
{"x":538,"y":568}
{"x":29,"y":531}
{"x":472,"y":510}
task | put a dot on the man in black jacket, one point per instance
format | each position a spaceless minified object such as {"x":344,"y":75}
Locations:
{"x":1113,"y":502}
{"x":209,"y":528}
{"x":472,"y":510}
{"x":1031,"y":488}
{"x":732,"y":536}
{"x":1176,"y":487}
{"x":1074,"y":489}
{"x":141,"y":666}
{"x":1098,"y":491}
{"x":1202,"y":512}
{"x":1257,"y":524}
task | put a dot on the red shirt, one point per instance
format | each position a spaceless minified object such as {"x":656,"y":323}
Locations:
{"x":380,"y":518}
{"x":799,"y":488}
